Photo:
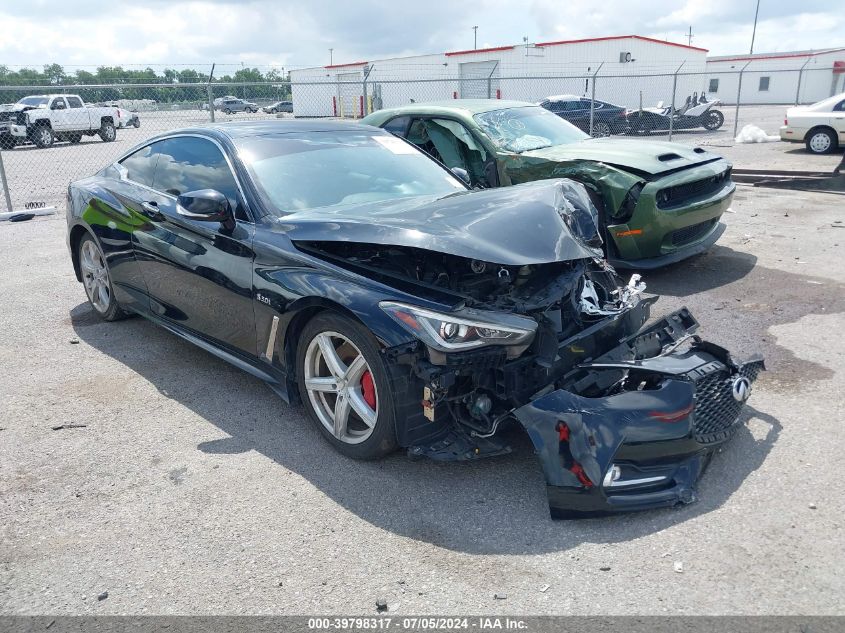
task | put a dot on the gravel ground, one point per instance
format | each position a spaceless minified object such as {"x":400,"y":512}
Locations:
{"x":193,"y":489}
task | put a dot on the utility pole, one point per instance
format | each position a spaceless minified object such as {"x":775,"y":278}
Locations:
{"x":689,"y":37}
{"x":754,"y":32}
{"x":474,"y":38}
{"x":331,"y":57}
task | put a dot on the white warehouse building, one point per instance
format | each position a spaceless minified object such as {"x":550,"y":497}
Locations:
{"x":628,"y":70}
{"x":778,"y":78}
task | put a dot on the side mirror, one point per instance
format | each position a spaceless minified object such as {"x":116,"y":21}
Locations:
{"x":205,"y":205}
{"x":462,"y":174}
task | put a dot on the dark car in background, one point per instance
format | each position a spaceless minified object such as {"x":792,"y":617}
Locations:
{"x":355,"y":274}
{"x":608,"y":119}
{"x":278,"y":107}
{"x":230,"y":106}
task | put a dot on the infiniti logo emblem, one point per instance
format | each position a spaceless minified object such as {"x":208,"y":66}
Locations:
{"x":741,"y":388}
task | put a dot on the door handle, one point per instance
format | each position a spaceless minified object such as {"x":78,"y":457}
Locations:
{"x":150,"y":210}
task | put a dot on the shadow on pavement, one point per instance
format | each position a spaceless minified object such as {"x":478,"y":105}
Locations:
{"x":494,"y":506}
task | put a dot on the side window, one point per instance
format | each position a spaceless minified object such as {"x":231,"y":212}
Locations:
{"x":572,"y":106}
{"x":764,"y":84}
{"x":58,"y":104}
{"x":839,"y":107}
{"x":74,"y":102}
{"x":189,"y":163}
{"x":714,"y":85}
{"x":140,"y":167}
{"x":398,"y":126}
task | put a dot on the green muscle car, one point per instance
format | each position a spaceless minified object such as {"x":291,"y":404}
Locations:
{"x":659,"y":202}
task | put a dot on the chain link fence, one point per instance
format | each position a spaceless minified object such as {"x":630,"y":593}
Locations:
{"x":37,"y":167}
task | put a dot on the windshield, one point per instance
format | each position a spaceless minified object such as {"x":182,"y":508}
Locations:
{"x":34,"y":101}
{"x":523,"y":129}
{"x":309,"y":170}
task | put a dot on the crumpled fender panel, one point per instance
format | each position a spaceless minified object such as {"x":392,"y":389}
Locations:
{"x":651,"y":434}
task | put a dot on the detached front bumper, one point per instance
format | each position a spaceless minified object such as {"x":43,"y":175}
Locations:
{"x":639,"y":449}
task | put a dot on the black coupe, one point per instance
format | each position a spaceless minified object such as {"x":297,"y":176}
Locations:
{"x":355,"y":274}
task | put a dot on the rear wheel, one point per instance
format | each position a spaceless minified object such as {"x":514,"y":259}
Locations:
{"x":136,"y":123}
{"x":97,"y":280}
{"x":107,"y":131}
{"x":714,"y":120}
{"x":601,"y":129}
{"x":43,"y":136}
{"x":343,"y":384}
{"x":821,"y":141}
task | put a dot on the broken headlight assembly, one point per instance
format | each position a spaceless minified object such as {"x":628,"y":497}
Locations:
{"x":464,"y":330}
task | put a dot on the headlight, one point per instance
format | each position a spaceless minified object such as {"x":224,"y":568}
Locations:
{"x":465,"y":330}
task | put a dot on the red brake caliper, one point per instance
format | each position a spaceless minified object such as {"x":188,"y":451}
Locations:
{"x":368,"y":389}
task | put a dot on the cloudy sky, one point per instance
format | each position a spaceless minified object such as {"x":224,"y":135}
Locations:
{"x":291,"y":34}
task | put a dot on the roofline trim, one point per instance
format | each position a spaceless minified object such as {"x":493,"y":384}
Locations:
{"x":622,"y":37}
{"x":753,"y":58}
{"x":481,"y":50}
{"x":344,"y":65}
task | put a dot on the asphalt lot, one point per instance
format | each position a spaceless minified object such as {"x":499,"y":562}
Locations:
{"x":193,"y":489}
{"x":37,"y":175}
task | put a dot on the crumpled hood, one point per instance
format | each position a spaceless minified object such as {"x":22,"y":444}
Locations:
{"x":638,"y":156}
{"x":513,"y":226}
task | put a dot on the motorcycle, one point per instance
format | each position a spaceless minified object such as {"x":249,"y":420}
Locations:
{"x":696,"y":112}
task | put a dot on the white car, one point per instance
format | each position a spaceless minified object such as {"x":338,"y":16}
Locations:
{"x":821,"y":126}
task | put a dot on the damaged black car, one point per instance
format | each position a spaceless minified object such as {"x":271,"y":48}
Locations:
{"x":358,"y":276}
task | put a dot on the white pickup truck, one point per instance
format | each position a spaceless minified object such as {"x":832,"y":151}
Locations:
{"x":45,"y":119}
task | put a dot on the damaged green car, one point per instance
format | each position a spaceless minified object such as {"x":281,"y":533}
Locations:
{"x":658,"y":202}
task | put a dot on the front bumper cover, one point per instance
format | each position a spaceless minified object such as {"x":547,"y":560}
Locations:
{"x":639,"y":449}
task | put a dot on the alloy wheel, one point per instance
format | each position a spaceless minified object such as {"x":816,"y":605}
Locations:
{"x":340,"y":387}
{"x":601,"y":130}
{"x":95,"y":276}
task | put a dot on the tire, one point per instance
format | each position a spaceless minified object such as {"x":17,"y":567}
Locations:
{"x":43,"y":136}
{"x":96,"y":280}
{"x":349,"y":341}
{"x":227,"y":111}
{"x":714,"y":120}
{"x":74,"y":138}
{"x":821,"y":141}
{"x":601,"y":129}
{"x":107,"y":132}
{"x":136,"y":123}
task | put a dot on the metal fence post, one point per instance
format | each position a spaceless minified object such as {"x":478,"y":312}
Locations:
{"x":366,"y":109}
{"x":798,"y":88}
{"x":210,"y":94}
{"x":593,"y":98}
{"x":5,"y":184}
{"x":739,"y":98}
{"x":490,"y":81}
{"x":672,"y":109}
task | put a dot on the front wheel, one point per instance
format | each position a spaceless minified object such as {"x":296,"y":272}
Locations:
{"x":136,"y":123}
{"x":714,"y":120}
{"x":227,"y":111}
{"x":107,"y":132}
{"x":97,"y":280}
{"x":601,"y":129}
{"x":821,"y":141}
{"x":43,"y":136}
{"x":344,"y":385}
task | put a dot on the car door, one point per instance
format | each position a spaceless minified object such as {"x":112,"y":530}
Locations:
{"x":59,"y":114}
{"x":199,"y":274}
{"x":77,"y":115}
{"x":837,"y":120}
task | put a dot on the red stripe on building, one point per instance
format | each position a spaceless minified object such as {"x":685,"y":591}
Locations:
{"x":621,"y":37}
{"x":345,"y":65}
{"x":480,"y":50}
